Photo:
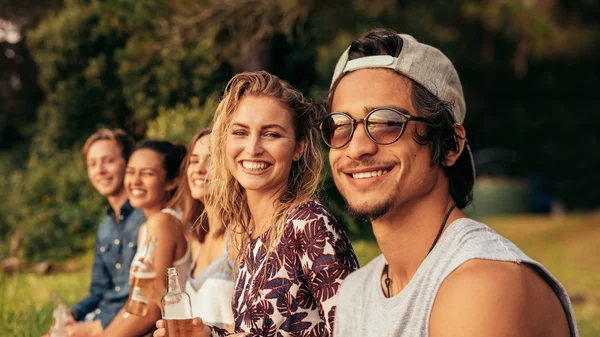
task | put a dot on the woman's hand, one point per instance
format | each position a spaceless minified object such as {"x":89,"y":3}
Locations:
{"x":198,"y":329}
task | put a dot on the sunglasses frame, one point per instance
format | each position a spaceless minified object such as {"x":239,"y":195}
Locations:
{"x":404,"y":114}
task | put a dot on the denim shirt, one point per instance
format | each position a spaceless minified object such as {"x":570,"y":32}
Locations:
{"x":116,"y":244}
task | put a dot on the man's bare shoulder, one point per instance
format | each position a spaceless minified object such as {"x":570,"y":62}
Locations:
{"x":494,"y":298}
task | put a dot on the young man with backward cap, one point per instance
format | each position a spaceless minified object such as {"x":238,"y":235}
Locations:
{"x":400,"y":158}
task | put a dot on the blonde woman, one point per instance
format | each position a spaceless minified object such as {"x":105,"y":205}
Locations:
{"x":293,"y":254}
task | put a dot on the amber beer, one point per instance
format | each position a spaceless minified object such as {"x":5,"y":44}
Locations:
{"x":141,"y":293}
{"x":176,"y":307}
{"x":143,"y":283}
{"x":178,"y":327}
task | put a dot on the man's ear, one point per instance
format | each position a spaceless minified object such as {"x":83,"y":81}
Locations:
{"x":299,"y":150}
{"x":460,"y":138}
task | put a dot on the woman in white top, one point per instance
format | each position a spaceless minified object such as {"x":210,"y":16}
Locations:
{"x":151,"y":180}
{"x":210,"y":280}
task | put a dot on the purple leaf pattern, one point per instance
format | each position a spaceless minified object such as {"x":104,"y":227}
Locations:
{"x":293,"y":290}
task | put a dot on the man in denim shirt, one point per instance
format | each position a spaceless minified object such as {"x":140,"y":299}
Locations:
{"x":106,"y":153}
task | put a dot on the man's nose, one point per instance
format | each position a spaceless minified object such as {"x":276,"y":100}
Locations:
{"x":361,"y":144}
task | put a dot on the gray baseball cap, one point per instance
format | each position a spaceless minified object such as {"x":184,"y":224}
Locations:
{"x":425,"y":65}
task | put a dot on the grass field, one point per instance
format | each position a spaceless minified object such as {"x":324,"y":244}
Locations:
{"x":568,"y":246}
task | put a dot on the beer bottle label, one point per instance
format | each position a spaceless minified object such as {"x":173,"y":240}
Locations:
{"x":136,"y":295}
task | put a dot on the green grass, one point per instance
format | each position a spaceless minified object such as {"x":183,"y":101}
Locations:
{"x":567,"y":246}
{"x":25,"y":299}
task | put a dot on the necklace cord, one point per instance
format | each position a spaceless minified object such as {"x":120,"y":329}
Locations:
{"x":388,"y":281}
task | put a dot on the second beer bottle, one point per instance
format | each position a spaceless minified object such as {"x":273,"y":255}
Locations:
{"x":143,"y":287}
{"x":176,"y":308}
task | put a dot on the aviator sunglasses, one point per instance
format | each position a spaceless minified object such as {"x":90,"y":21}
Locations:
{"x":383,"y":126}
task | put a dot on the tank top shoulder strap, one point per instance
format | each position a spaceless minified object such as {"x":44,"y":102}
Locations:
{"x":176,"y":213}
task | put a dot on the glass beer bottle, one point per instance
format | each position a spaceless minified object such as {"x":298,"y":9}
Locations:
{"x":142,"y":287}
{"x":60,"y":317}
{"x":176,"y":308}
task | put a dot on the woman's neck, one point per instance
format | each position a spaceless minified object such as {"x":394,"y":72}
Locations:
{"x":262,"y":208}
{"x":214,"y":223}
{"x":151,"y":210}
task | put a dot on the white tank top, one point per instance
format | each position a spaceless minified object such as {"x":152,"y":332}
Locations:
{"x":212,"y":291}
{"x":182,"y":264}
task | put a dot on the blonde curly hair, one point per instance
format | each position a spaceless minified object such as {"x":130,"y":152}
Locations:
{"x":227,"y":196}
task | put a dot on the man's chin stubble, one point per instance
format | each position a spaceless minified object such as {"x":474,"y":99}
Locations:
{"x":369,"y":212}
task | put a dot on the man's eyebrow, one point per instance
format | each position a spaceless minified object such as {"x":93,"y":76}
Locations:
{"x":368,"y":109}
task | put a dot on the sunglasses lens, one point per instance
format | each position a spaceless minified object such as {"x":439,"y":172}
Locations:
{"x":385,"y":126}
{"x":336,"y":130}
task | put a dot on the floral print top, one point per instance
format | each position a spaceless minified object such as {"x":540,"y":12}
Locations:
{"x":293,"y":292}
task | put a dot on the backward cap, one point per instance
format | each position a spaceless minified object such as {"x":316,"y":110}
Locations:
{"x":427,"y":66}
{"x":422,"y":63}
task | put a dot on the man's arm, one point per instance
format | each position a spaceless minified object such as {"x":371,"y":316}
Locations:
{"x":493,"y":298}
{"x":99,"y":285}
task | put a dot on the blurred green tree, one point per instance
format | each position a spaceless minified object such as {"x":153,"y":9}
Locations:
{"x":180,"y":124}
{"x":528,"y":69}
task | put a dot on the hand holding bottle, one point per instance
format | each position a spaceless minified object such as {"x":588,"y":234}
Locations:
{"x":176,"y":308}
{"x":197,"y":328}
{"x":142,"y":285}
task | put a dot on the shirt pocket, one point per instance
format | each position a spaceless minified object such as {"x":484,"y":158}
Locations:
{"x":108,"y":252}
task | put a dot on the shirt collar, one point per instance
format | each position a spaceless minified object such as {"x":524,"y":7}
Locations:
{"x":126,"y":209}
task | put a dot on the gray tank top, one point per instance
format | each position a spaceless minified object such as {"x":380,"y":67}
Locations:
{"x":363,"y":310}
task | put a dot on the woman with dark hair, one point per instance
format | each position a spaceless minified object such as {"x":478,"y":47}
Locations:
{"x":151,"y":181}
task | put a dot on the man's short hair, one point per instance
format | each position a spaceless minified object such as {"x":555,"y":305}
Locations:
{"x":439,"y":132}
{"x":123,"y":139}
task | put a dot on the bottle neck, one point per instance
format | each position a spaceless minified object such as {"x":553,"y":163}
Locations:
{"x":173,"y":283}
{"x":149,"y":257}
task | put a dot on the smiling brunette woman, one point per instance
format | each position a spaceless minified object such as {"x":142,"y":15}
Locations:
{"x":293,"y":254}
{"x":151,"y":179}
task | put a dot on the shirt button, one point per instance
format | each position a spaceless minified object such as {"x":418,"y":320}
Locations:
{"x":116,"y":242}
{"x":98,"y":311}
{"x":117,"y":288}
{"x":118,"y":266}
{"x":121,"y":217}
{"x":102,"y":249}
{"x":130,"y":245}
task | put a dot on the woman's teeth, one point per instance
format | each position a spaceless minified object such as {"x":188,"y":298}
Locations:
{"x":199,"y":182}
{"x":254,"y":166}
{"x":138,"y":193}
